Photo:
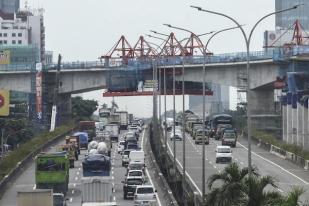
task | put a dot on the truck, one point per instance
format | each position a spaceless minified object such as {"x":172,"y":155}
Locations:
{"x":114,"y":118}
{"x":123,"y":119}
{"x":105,"y":137}
{"x":83,"y":139}
{"x":89,"y":127}
{"x":96,"y":165}
{"x":114,"y":131}
{"x":97,"y":191}
{"x":35,"y":197}
{"x":130,"y":118}
{"x":71,"y":152}
{"x":52,"y":171}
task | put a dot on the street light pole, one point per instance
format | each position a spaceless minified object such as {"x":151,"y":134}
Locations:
{"x":247,"y":41}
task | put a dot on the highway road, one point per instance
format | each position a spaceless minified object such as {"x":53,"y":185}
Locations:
{"x":27,"y":181}
{"x":286,"y":173}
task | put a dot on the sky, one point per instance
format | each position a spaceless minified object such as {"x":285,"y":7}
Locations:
{"x":83,"y":30}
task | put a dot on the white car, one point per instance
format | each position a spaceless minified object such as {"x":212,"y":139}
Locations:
{"x":178,"y":136}
{"x":125,"y":157}
{"x":223,"y":154}
{"x":120,"y":147}
{"x":136,"y":173}
{"x":145,"y":195}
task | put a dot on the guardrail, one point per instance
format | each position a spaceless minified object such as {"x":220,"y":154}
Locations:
{"x":22,"y":165}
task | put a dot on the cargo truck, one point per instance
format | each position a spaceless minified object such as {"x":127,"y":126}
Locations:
{"x":89,"y":127}
{"x":114,"y":131}
{"x":83,"y":139}
{"x":35,"y":197}
{"x":123,"y":119}
{"x":52,"y":171}
{"x":97,"y":191}
{"x":96,"y":165}
{"x":114,"y":118}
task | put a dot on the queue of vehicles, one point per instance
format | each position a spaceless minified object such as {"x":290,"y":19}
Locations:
{"x":135,"y":184}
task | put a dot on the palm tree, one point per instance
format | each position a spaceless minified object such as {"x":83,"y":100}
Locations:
{"x":255,"y":194}
{"x":293,"y":196}
{"x":230,"y":190}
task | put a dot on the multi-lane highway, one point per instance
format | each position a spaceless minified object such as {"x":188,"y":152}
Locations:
{"x":27,"y":180}
{"x":286,"y":173}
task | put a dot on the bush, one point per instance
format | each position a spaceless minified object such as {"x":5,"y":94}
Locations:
{"x":268,"y":138}
{"x":9,"y":162}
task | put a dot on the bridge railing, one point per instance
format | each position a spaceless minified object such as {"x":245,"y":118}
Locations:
{"x":17,"y":67}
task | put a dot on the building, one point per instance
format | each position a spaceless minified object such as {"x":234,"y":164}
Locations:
{"x":217,"y":103}
{"x":286,"y":19}
{"x":9,"y":6}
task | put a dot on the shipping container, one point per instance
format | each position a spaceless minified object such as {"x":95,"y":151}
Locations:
{"x":97,"y":189}
{"x":35,"y":197}
{"x":123,"y":119}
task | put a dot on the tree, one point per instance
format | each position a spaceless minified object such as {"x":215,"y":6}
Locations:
{"x":104,"y":106}
{"x":230,"y":191}
{"x":292,"y":198}
{"x":83,"y":109}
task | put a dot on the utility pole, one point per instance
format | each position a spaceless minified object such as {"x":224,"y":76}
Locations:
{"x":55,"y":97}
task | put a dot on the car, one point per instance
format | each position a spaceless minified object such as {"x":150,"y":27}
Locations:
{"x":125,"y":157}
{"x":178,"y":136}
{"x":220,"y":128}
{"x":132,"y":146}
{"x":120,"y":146}
{"x":223,"y":154}
{"x":129,"y":186}
{"x":59,"y":199}
{"x":136,"y":173}
{"x":145,"y":195}
{"x":229,"y":137}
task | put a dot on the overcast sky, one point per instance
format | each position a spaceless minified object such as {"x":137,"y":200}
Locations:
{"x":86,"y":29}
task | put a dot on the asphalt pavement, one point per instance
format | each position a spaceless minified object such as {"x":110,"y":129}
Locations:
{"x":287,"y":174}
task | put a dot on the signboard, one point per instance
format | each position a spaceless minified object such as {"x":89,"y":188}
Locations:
{"x":38,"y":81}
{"x":5,"y":57}
{"x":4,"y":103}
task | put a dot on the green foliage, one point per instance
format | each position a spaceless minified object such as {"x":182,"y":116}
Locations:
{"x":83,"y":109}
{"x":237,"y":188}
{"x":10,"y":161}
{"x":268,"y":138}
{"x":16,"y":131}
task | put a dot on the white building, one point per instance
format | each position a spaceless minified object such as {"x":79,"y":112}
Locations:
{"x":24,"y":29}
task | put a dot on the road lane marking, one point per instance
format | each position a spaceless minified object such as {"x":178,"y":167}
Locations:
{"x":280,"y":190}
{"x":77,"y":173}
{"x":34,"y":187}
{"x":198,"y":189}
{"x":73,"y":192}
{"x":76,"y":178}
{"x":267,"y":160}
{"x":74,"y":185}
{"x":71,"y":199}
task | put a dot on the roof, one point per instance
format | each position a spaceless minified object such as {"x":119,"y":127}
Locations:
{"x":227,"y":147}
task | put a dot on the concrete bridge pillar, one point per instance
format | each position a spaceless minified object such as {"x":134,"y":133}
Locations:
{"x":306,"y":127}
{"x":284,"y":123}
{"x":300,"y":129}
{"x":263,"y":111}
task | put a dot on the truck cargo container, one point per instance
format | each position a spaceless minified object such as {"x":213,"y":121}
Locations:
{"x":97,"y":189}
{"x":123,"y":119}
{"x":83,"y":139}
{"x":114,"y":119}
{"x":89,"y":127}
{"x":35,"y":197}
{"x":114,"y":131}
{"x":52,"y":171}
{"x":96,"y":165}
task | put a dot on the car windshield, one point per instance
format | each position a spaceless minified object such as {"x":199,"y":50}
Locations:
{"x":126,"y":152}
{"x":224,"y":150}
{"x":229,"y":135}
{"x":135,"y":166}
{"x":121,"y":143}
{"x":134,"y":181}
{"x":135,"y":173}
{"x":144,"y":190}
{"x":132,"y":146}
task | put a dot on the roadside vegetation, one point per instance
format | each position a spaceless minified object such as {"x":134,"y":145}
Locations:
{"x":82,"y":109}
{"x":269,"y":138}
{"x":11,"y":160}
{"x":234,"y":187}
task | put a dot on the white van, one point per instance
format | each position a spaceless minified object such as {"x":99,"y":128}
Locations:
{"x":137,"y":157}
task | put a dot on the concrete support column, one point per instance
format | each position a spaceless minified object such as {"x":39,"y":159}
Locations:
{"x":284,"y":123}
{"x":306,"y":128}
{"x":64,"y":108}
{"x":300,"y":129}
{"x":289,"y":124}
{"x":294,"y":126}
{"x":262,"y":102}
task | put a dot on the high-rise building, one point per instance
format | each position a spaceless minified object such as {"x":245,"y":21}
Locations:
{"x":286,"y":19}
{"x":9,"y":6}
{"x":217,"y":103}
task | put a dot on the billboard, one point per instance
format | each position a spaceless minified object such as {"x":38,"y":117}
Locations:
{"x":4,"y":103}
{"x":38,"y":81}
{"x":5,"y":57}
